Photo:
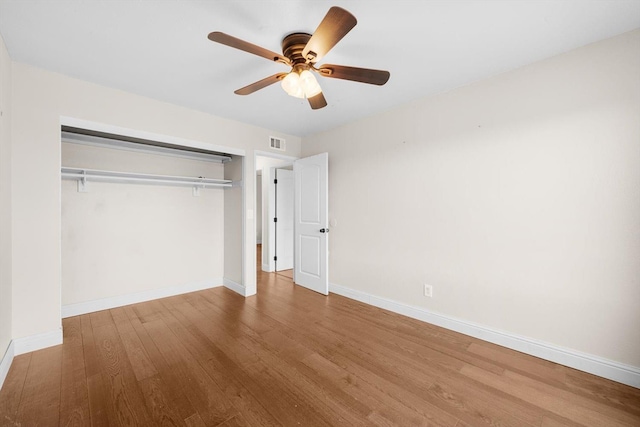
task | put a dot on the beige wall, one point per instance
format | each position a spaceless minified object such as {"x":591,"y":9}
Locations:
{"x":5,"y":199}
{"x":517,"y":198}
{"x":39,"y":100}
{"x":123,"y":238}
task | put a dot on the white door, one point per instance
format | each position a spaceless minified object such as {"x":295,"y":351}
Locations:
{"x":311,"y":223}
{"x":284,"y":224}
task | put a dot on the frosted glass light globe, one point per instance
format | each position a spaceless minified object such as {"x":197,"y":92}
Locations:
{"x":291,"y":85}
{"x":309,"y":84}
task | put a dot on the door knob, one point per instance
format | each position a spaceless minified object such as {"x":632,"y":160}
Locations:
{"x":324,"y":230}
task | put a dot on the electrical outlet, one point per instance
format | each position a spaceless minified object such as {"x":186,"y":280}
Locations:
{"x":428,"y":291}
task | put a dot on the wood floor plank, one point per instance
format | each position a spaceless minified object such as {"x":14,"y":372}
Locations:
{"x":517,"y":361}
{"x":211,"y":403}
{"x":386,"y":410}
{"x":402,"y":384}
{"x":367,"y":366}
{"x":205,"y":396}
{"x":550,"y":422}
{"x":336,"y":407}
{"x":74,"y":393}
{"x":12,"y":390}
{"x":91,"y":361}
{"x":142,"y":366}
{"x":169,"y":376}
{"x":580,"y":414}
{"x":430,"y":366}
{"x":287,"y":405}
{"x":235,"y":421}
{"x":117,"y":373}
{"x":159,"y":406}
{"x":289,"y":356}
{"x":453,"y":346}
{"x":40,"y":400}
{"x":338,"y":410}
{"x":145,"y":312}
{"x":477,"y":411}
{"x":221,"y":368}
{"x":101,"y":408}
{"x":195,"y":421}
{"x":620,"y":396}
{"x":574,"y":399}
{"x":360,"y":332}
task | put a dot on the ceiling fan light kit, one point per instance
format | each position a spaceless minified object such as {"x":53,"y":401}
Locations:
{"x":301,"y":84}
{"x":301,"y":51}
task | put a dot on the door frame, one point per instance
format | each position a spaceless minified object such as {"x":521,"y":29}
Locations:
{"x":275,"y":194}
{"x":258,"y":215}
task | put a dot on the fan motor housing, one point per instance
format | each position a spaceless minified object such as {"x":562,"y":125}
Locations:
{"x":293,"y":45}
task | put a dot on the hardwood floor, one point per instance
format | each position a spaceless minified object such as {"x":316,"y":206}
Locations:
{"x":286,"y":273}
{"x":291,"y":357}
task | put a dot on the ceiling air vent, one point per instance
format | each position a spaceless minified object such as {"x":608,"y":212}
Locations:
{"x":276,"y":143}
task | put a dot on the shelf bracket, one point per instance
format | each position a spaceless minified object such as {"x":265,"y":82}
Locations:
{"x":83,"y":185}
{"x":197,"y":187}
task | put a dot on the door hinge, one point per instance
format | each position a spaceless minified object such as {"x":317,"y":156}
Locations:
{"x":275,"y":181}
{"x":275,"y":219}
{"x":275,"y":258}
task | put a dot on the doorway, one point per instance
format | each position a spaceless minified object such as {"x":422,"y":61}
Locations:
{"x":282,"y":225}
{"x":306,"y":238}
{"x":266,"y":165}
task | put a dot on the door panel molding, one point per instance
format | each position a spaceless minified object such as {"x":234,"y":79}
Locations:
{"x":311,"y":266}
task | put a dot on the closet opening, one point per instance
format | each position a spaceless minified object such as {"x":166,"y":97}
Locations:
{"x":144,"y":219}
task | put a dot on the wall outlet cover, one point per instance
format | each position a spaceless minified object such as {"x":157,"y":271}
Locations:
{"x":428,"y":291}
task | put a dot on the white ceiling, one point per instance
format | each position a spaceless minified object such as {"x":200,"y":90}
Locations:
{"x":160,"y":48}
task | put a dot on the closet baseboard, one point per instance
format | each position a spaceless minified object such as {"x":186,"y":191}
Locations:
{"x":235,"y":287}
{"x":5,"y":363}
{"x":37,"y":342}
{"x":77,"y":309}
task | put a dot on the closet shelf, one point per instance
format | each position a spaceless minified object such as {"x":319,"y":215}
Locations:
{"x":84,"y":175}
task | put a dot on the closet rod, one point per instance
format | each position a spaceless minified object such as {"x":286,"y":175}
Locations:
{"x":82,"y":174}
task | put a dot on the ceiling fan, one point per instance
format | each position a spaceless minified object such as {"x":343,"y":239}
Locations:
{"x":301,"y":51}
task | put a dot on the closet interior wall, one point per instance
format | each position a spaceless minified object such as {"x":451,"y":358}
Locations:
{"x":234,"y":226}
{"x":126,"y":238}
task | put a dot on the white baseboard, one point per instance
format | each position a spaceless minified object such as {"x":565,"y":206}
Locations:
{"x":37,"y":342}
{"x":5,"y":363}
{"x":601,"y":367}
{"x":258,"y":241}
{"x":265,"y":267}
{"x":235,"y":287}
{"x":77,"y":309}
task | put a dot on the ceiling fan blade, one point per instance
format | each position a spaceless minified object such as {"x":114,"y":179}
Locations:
{"x":260,"y":84}
{"x":234,"y":42}
{"x":335,"y":25}
{"x":362,"y":75}
{"x":317,"y":101}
